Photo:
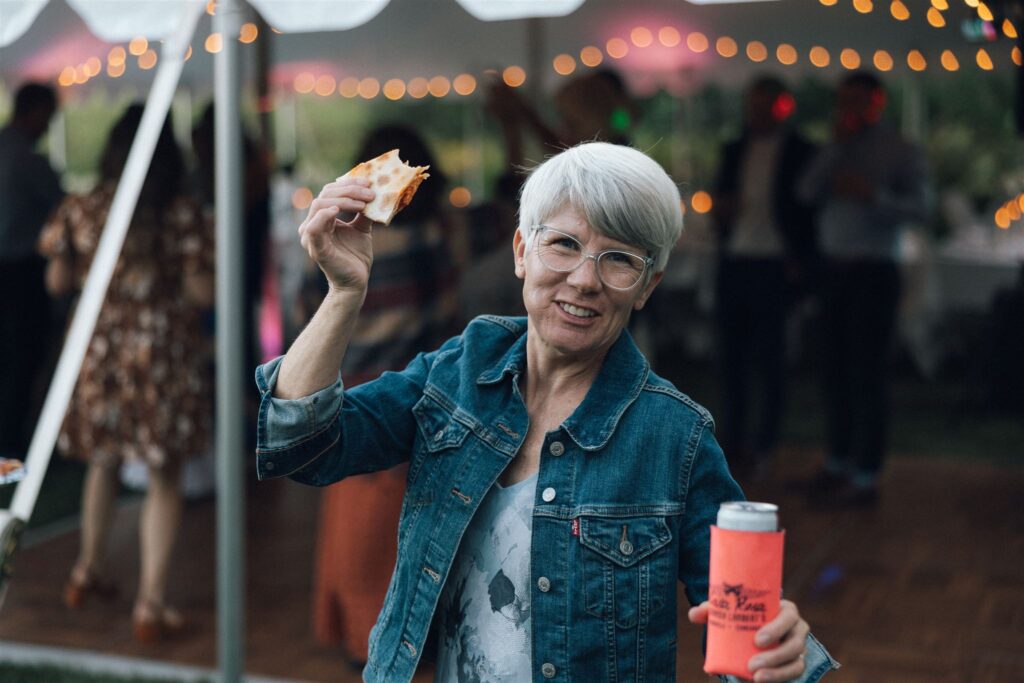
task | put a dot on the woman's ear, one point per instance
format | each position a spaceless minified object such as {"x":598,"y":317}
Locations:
{"x":655,"y":279}
{"x":519,"y":251}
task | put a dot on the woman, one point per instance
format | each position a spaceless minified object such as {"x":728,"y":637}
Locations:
{"x":557,"y":489}
{"x":410,"y":305}
{"x":144,"y":389}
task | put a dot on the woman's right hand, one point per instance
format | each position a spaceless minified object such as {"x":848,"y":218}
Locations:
{"x":342,"y":249}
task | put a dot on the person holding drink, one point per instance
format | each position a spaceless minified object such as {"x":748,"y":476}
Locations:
{"x":557,"y":487}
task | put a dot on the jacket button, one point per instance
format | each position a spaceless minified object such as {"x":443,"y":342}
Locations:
{"x":548,"y":669}
{"x":269,"y":467}
{"x":556,"y":448}
{"x":626,"y":548}
{"x":439,"y":435}
{"x":548,"y":495}
{"x":543,"y":584}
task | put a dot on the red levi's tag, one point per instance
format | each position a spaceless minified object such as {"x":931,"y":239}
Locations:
{"x":576,"y":527}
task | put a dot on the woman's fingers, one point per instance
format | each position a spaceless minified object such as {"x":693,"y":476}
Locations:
{"x":699,"y":613}
{"x":785,"y":661}
{"x":349,"y":204}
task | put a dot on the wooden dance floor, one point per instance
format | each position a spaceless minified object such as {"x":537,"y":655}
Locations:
{"x":927,"y":587}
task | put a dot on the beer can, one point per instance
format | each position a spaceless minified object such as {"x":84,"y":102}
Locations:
{"x":744,"y":583}
{"x":746,"y":516}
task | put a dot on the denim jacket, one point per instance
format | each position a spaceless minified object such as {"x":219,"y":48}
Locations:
{"x":627,"y":488}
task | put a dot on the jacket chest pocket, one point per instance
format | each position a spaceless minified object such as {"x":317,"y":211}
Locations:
{"x":626,"y":567}
{"x":438,"y":433}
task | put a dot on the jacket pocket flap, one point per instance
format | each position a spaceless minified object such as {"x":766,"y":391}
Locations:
{"x":438,"y":429}
{"x":624,"y":541}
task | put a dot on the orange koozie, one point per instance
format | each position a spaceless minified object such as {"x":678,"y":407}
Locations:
{"x":745,"y":586}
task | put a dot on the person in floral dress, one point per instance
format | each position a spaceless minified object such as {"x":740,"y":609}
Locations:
{"x":145,"y":388}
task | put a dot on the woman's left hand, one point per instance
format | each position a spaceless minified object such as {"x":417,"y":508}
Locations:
{"x":783,"y":640}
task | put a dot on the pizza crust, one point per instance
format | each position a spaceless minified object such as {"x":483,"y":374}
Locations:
{"x":394,"y":181}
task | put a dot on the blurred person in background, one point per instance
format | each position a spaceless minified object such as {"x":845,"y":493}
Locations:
{"x":766,"y":255}
{"x":255,"y":218}
{"x":145,"y":389}
{"x":410,"y":305}
{"x":593,"y":106}
{"x":558,"y":490}
{"x":866,"y":185}
{"x":29,"y":191}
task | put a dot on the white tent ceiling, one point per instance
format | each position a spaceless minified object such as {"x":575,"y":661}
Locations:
{"x":409,"y":38}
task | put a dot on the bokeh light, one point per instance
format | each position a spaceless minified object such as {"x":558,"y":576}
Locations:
{"x":701,"y":201}
{"x":819,"y":57}
{"x":616,"y":48}
{"x":726,"y":47}
{"x":697,"y":42}
{"x":464,"y":84}
{"x":460,"y":197}
{"x":669,"y":36}
{"x":786,"y":54}
{"x":514,"y":76}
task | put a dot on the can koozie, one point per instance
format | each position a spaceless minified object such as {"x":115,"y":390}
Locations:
{"x":744,"y":592}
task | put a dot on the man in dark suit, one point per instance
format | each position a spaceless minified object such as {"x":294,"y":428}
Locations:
{"x":766,"y":256}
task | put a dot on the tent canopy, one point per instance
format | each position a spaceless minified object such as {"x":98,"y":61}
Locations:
{"x":409,"y":38}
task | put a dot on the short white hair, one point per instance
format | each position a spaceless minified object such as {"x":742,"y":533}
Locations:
{"x":622,"y":192}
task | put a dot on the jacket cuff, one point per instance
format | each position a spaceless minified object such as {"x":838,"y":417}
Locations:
{"x":288,"y":430}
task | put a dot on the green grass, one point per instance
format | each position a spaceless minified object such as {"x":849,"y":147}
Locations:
{"x":46,"y":673}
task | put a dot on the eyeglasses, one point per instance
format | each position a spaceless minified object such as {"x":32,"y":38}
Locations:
{"x":564,"y":253}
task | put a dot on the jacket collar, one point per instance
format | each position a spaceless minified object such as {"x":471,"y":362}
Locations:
{"x":619,"y":382}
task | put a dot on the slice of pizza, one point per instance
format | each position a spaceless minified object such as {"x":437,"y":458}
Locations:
{"x":394,"y":181}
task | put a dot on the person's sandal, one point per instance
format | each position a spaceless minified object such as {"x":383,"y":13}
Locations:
{"x":154,"y":623}
{"x":78,"y":591}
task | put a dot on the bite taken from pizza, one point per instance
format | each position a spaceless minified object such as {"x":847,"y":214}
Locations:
{"x":393,"y":180}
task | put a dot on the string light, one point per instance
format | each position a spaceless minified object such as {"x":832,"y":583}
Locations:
{"x":828,"y":3}
{"x":214,"y":43}
{"x":1002,"y":218}
{"x":849,"y":58}
{"x":325,"y":85}
{"x":394,"y":89}
{"x":67,"y":76}
{"x":949,"y":61}
{"x":641,"y":36}
{"x":137,"y":46}
{"x":916,"y":60}
{"x":899,"y":11}
{"x":147,"y":60}
{"x":1015,"y":55}
{"x":701,"y":201}
{"x":940,"y":5}
{"x":115,"y":70}
{"x":460,"y":197}
{"x":697,"y":42}
{"x":464,"y":84}
{"x":93,"y":66}
{"x":935,"y":18}
{"x":302,"y":198}
{"x":514,"y":76}
{"x":863,"y":6}
{"x":248,"y":33}
{"x":116,"y":55}
{"x":726,"y":47}
{"x":669,"y":36}
{"x":786,"y":54}
{"x":756,"y":51}
{"x":1009,"y":30}
{"x":304,"y":83}
{"x":819,"y":57}
{"x":983,"y":59}
{"x":984,"y":13}
{"x":369,"y":88}
{"x":616,"y":48}
{"x":564,"y":64}
{"x":419,"y":88}
{"x":349,"y":87}
{"x":439,"y":86}
{"x":882,"y":60}
{"x":591,"y":56}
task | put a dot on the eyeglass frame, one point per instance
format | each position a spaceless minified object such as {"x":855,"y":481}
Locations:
{"x":648,"y":261}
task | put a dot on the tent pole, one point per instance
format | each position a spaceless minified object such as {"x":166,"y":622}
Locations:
{"x":231,"y":338}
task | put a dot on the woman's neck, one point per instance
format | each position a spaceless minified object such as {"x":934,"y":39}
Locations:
{"x":555,"y":381}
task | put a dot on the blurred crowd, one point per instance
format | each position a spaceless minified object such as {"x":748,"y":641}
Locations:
{"x":794,"y":222}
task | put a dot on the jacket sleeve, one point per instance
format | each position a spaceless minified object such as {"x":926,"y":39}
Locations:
{"x":332,"y":434}
{"x":707,"y":483}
